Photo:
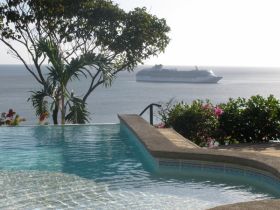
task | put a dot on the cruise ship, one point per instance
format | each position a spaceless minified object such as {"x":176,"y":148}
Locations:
{"x":159,"y":74}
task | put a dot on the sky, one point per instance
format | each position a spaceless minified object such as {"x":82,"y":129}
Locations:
{"x":212,"y":32}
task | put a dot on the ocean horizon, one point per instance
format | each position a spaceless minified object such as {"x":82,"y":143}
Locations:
{"x":126,"y":96}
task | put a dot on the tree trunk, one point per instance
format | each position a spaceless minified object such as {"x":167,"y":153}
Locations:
{"x":55,"y":113}
{"x":62,"y":107}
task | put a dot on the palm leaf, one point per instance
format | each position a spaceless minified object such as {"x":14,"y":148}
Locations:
{"x":39,"y":102}
{"x":78,"y":114}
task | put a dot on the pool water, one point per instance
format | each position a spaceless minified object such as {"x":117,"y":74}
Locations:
{"x":100,"y":167}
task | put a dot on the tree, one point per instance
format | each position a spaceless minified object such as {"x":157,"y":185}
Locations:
{"x":59,"y":75}
{"x":97,"y":35}
{"x":1,"y":22}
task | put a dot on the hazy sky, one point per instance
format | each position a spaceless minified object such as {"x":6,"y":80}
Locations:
{"x":213,"y":32}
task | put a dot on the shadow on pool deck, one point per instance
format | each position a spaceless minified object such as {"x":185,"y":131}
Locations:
{"x":168,"y":144}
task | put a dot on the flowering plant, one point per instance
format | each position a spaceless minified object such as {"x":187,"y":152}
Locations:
{"x":43,"y":117}
{"x":197,"y":121}
{"x":10,"y":118}
{"x":218,"y":111}
{"x":256,"y":119}
{"x":160,"y":125}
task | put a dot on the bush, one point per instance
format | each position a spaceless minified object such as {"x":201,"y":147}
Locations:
{"x":10,"y":118}
{"x":197,"y":122}
{"x":240,"y":120}
{"x":256,"y":119}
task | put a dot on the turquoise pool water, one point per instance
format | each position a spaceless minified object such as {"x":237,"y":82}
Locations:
{"x":101,"y":167}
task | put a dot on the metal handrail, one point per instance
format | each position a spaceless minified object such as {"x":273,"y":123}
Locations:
{"x":151,"y":111}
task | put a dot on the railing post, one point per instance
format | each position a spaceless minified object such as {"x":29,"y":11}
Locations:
{"x":151,"y":112}
{"x":151,"y":115}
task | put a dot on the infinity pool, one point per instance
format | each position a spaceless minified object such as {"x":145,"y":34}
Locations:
{"x":100,"y":167}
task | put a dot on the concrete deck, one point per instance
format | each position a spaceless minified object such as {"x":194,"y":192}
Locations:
{"x":252,"y":205}
{"x":271,"y":149}
{"x":167,"y":144}
{"x":177,"y":139}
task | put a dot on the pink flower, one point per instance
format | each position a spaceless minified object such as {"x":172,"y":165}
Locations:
{"x":218,"y":111}
{"x":206,"y":106}
{"x":11,"y":113}
{"x":160,"y":125}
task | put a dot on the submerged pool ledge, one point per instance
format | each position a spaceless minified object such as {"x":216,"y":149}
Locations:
{"x":165,"y":149}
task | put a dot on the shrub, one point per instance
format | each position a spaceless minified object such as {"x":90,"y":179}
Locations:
{"x":10,"y":118}
{"x":240,"y":120}
{"x":197,"y":121}
{"x":256,"y":119}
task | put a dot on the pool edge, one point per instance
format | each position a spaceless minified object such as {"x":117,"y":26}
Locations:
{"x":161,"y":147}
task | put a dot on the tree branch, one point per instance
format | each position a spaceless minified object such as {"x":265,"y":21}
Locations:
{"x":21,"y":59}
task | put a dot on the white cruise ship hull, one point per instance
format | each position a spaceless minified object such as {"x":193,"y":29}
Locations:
{"x":159,"y":74}
{"x":143,"y":78}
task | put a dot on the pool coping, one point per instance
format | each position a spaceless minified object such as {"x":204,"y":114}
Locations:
{"x":58,"y":125}
{"x":160,"y":147}
{"x":251,"y":205}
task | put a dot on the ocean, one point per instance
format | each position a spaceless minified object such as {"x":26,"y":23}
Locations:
{"x":126,"y":96}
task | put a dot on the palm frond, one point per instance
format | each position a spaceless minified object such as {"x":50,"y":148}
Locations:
{"x":78,"y":114}
{"x":51,"y":50}
{"x":39,"y":102}
{"x":78,"y":66}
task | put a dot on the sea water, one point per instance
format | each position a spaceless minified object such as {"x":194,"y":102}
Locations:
{"x":131,"y":97}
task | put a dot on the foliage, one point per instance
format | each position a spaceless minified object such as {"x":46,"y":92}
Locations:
{"x":1,"y":22}
{"x":39,"y":102}
{"x":240,"y":120}
{"x":256,"y":119}
{"x":196,"y":121}
{"x":59,"y":75}
{"x":78,"y":113}
{"x":163,"y":112}
{"x":95,"y":38}
{"x":10,"y":118}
